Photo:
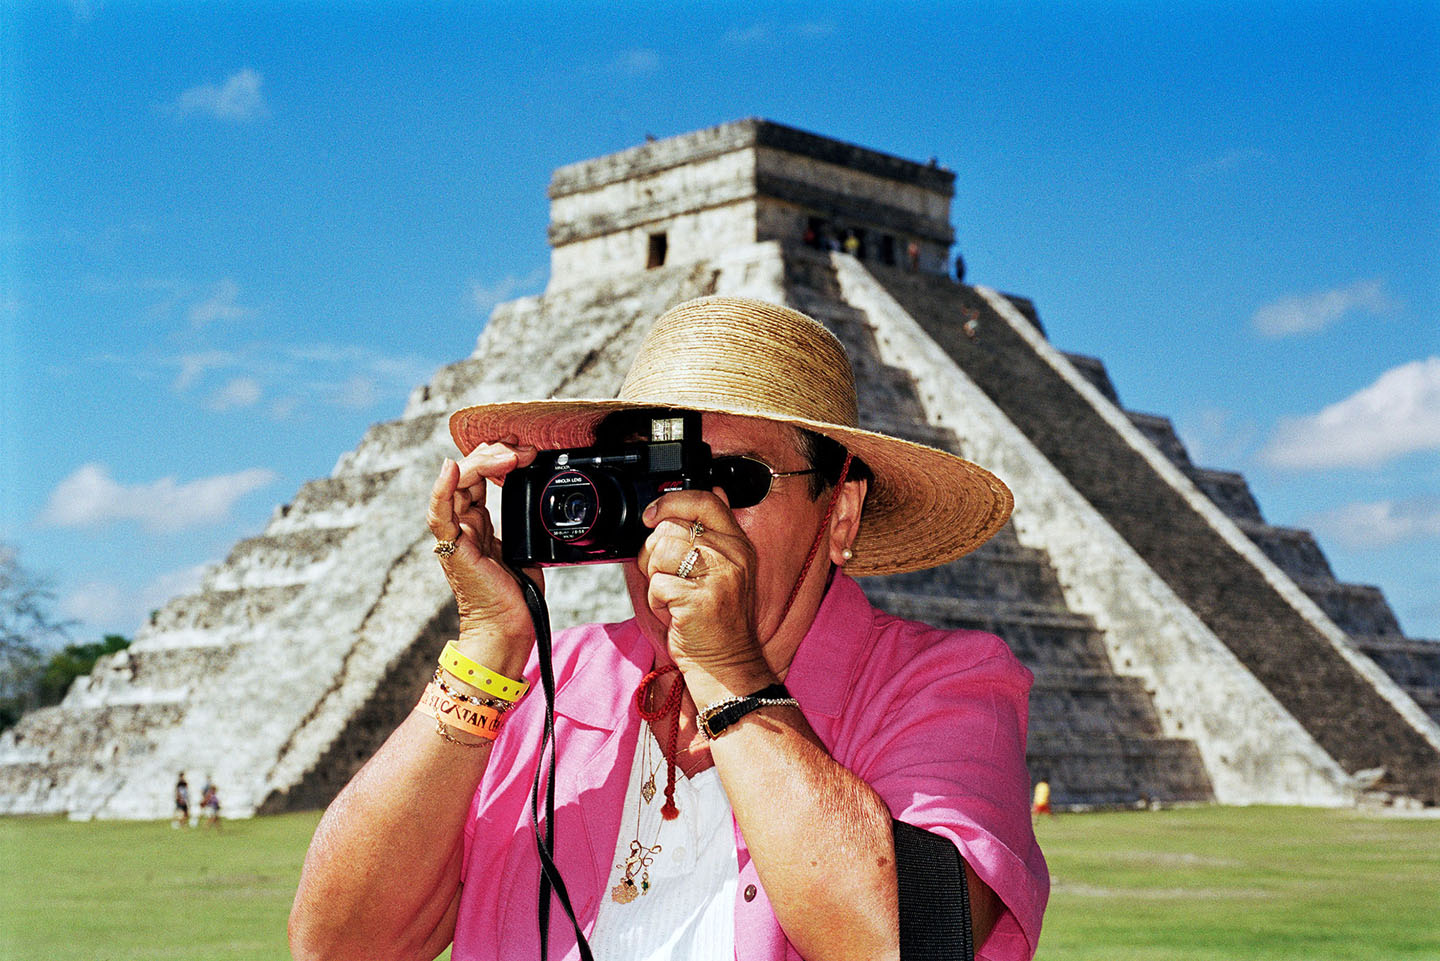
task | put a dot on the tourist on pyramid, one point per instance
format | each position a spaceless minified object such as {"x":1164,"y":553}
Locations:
{"x":758,"y":764}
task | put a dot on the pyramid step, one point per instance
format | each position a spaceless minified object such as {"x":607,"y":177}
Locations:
{"x":162,"y":672}
{"x":1412,"y":663}
{"x":276,"y":560}
{"x":338,"y":502}
{"x":393,"y":444}
{"x":999,"y":576}
{"x":1292,"y":550}
{"x":1229,"y":490}
{"x":1357,"y":609}
{"x":217,"y":610}
{"x":1117,"y":771}
{"x":84,"y":735}
{"x":1160,"y":431}
{"x":1091,"y":702}
{"x":961,"y":611}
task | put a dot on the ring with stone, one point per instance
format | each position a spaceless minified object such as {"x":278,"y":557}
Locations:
{"x":444,"y":548}
{"x":696,"y":529}
{"x":687,"y":564}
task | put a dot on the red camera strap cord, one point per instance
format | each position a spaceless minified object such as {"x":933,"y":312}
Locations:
{"x":545,"y":840}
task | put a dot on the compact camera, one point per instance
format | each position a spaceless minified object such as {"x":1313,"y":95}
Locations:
{"x":583,"y":506}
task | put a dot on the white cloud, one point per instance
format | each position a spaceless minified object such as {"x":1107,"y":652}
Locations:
{"x":1397,"y":415}
{"x":237,"y":99}
{"x":768,"y":33}
{"x":1311,"y":313}
{"x":1224,"y":164}
{"x":239,"y":392}
{"x":82,"y":10}
{"x":357,"y":393}
{"x":484,"y":298}
{"x":195,"y":366}
{"x":637,"y":61}
{"x":222,"y":304}
{"x":753,"y":34}
{"x":108,"y":606}
{"x":1379,"y":524}
{"x":91,"y":498}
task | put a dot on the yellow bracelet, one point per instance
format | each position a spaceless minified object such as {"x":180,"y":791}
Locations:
{"x":478,"y":675}
{"x":482,"y":722}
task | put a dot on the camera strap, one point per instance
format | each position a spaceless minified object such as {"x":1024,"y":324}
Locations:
{"x":545,"y":840}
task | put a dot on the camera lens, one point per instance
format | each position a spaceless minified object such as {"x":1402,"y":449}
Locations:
{"x":573,"y":508}
{"x":570,"y":507}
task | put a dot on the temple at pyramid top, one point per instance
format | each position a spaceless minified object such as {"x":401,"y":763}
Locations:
{"x":685,"y":198}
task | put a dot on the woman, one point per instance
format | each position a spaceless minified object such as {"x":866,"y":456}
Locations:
{"x":824,"y":718}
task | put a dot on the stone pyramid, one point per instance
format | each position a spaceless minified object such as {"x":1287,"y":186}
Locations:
{"x":1183,"y":649}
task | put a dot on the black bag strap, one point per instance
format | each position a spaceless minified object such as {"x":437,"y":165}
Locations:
{"x":935,"y":920}
{"x":545,"y":841}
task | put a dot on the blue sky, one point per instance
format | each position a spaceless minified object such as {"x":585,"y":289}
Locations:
{"x":232,"y":236}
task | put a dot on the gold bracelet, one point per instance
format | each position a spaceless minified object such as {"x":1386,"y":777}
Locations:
{"x":472,"y":719}
{"x":477,"y":675}
{"x":444,"y":732}
{"x":494,"y":703}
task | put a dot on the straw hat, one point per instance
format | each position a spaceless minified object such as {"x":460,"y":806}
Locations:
{"x":753,"y":359}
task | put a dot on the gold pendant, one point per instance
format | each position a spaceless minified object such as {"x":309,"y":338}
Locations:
{"x":647,"y":790}
{"x":624,"y":892}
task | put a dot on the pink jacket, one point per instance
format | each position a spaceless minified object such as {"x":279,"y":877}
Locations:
{"x":933,"y":720}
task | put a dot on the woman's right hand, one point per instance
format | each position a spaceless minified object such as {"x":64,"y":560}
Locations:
{"x":494,"y":621}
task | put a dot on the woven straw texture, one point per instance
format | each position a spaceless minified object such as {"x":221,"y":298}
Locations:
{"x":753,"y":359}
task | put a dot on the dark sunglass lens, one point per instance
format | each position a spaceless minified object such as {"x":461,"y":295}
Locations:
{"x":744,"y":481}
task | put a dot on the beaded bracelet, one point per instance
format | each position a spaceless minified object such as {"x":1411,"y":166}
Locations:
{"x":483,"y":722}
{"x":494,"y":703}
{"x":478,"y":675}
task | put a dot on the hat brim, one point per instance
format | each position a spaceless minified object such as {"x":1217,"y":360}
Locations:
{"x":925,"y":506}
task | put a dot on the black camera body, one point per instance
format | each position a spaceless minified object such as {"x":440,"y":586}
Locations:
{"x":583,"y":506}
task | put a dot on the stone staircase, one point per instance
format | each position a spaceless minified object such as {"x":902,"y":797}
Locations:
{"x":300,"y":652}
{"x":1361,"y":724}
{"x":1094,"y":735}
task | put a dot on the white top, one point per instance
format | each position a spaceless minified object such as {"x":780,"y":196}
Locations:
{"x":688,"y":911}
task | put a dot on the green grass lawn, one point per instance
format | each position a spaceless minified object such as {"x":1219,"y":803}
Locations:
{"x":1271,"y":883}
{"x":1212,"y":883}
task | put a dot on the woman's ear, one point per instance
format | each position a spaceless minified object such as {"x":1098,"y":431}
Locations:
{"x":845,"y":521}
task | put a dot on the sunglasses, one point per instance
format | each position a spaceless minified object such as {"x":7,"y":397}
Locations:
{"x":745,"y":480}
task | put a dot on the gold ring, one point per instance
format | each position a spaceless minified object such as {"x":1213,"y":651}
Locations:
{"x":687,"y":564}
{"x":444,"y":548}
{"x":696,"y":529}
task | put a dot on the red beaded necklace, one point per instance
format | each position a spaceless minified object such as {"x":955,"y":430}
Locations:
{"x":671,"y":707}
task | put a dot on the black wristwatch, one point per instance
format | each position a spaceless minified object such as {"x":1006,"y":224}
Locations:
{"x":719,"y":716}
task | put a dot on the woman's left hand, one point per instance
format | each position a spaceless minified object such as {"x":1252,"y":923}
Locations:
{"x":710,"y":615}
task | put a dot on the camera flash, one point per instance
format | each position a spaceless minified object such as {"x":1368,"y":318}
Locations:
{"x":666,"y":428}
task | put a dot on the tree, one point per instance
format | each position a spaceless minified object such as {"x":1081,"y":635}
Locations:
{"x":76,"y":659}
{"x":27,"y":630}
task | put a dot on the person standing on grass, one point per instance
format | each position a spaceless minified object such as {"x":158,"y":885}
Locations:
{"x":210,"y":804}
{"x":798,"y":734}
{"x":182,"y":804}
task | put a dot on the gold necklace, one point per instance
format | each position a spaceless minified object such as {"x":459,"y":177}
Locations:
{"x":637,"y":864}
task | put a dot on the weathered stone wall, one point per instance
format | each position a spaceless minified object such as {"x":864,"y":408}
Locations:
{"x":736,"y":184}
{"x":1350,"y":707}
{"x":1252,"y":748}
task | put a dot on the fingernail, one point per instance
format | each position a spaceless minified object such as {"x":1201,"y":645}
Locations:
{"x":650,"y":511}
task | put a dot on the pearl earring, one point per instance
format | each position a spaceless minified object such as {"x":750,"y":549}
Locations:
{"x":847,"y":553}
